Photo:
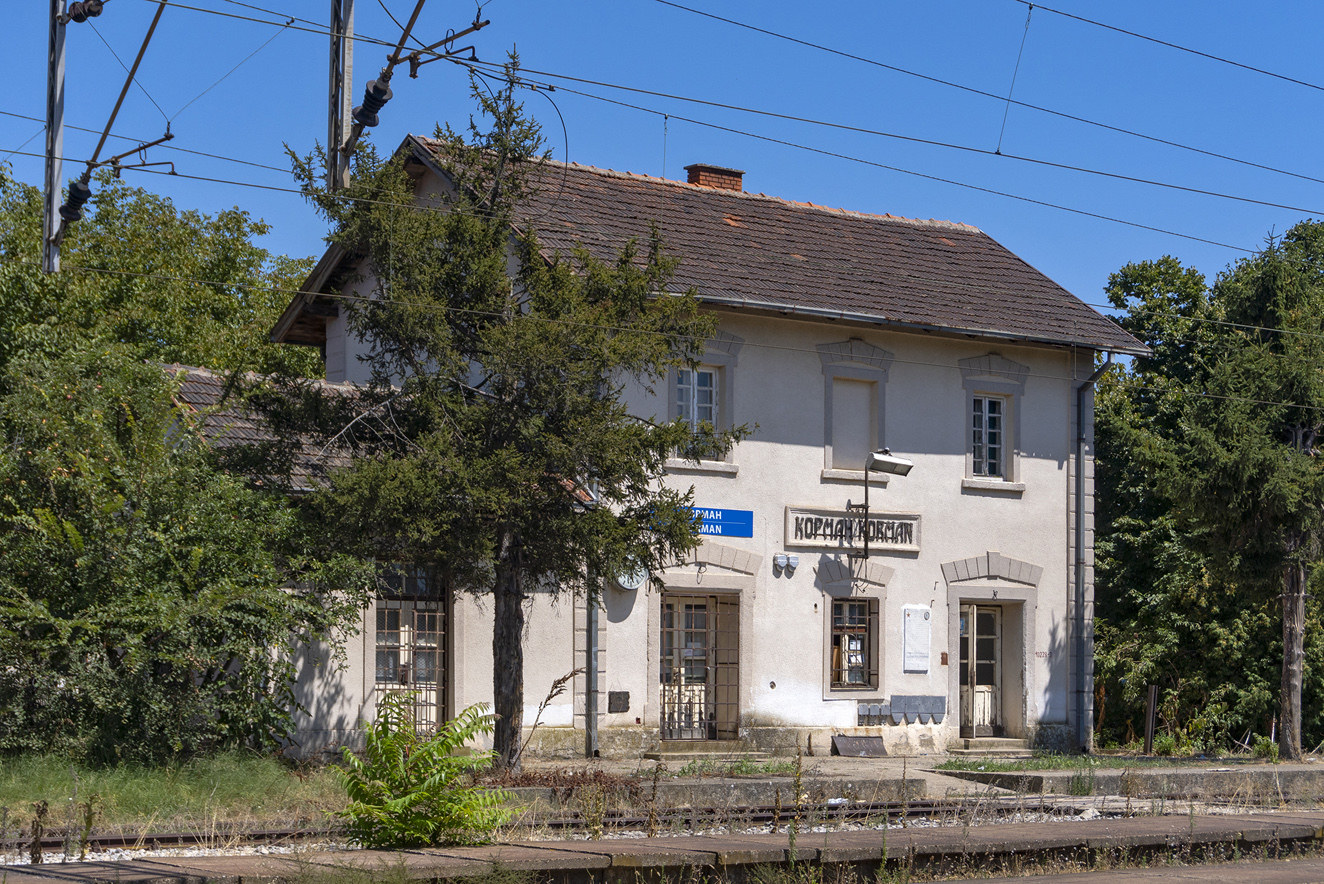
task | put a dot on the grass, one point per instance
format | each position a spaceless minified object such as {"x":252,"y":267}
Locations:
{"x":225,"y":791}
{"x":739,"y":767}
{"x":1078,"y":762}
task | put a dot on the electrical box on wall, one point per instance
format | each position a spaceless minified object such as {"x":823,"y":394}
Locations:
{"x":915,"y":632}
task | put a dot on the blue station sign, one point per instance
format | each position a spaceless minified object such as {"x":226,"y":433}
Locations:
{"x":725,"y":523}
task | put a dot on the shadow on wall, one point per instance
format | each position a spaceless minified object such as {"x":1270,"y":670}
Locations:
{"x":1054,"y":730}
{"x":331,"y":713}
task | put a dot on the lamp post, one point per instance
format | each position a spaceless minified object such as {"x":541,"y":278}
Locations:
{"x":881,"y":461}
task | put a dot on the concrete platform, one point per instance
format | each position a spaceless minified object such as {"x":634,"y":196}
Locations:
{"x":1167,"y":842}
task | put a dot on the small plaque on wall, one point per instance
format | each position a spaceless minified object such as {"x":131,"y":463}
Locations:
{"x":915,"y":633}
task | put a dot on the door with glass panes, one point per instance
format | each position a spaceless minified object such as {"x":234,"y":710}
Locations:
{"x":411,"y":648}
{"x":981,"y":671}
{"x":699,"y":667}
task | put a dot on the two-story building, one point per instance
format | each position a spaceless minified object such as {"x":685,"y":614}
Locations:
{"x":841,"y":333}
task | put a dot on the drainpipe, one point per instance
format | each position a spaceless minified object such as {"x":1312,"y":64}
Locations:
{"x":1084,"y":686}
{"x":591,"y":668}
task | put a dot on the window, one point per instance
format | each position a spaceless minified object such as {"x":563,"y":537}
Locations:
{"x":855,"y":377}
{"x":701,"y":397}
{"x":994,"y":387}
{"x":854,"y":422}
{"x":410,"y":646}
{"x":989,"y":436}
{"x":854,"y":644}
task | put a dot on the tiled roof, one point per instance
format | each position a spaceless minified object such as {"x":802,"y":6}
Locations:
{"x":753,"y":251}
{"x":226,"y":422}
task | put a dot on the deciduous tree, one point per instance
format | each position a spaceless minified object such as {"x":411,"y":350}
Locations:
{"x":1213,"y":502}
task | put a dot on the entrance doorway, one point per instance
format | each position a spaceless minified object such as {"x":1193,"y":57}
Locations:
{"x":981,"y":671}
{"x":700,"y":671}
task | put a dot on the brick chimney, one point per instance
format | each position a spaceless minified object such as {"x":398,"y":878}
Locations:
{"x":715,"y":177}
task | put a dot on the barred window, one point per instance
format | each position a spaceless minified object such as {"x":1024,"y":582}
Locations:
{"x":854,"y":644}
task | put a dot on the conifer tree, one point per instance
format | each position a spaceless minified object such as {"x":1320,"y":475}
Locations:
{"x":494,"y":447}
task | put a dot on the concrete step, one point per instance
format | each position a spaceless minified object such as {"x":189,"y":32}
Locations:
{"x":706,"y":750}
{"x":997,"y":747}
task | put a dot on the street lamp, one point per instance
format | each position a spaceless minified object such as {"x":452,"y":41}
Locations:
{"x":881,"y":461}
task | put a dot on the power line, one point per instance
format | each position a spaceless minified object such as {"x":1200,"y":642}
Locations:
{"x":233,"y":69}
{"x":1177,"y":46}
{"x":912,"y":139}
{"x":908,"y":138}
{"x":140,"y":86}
{"x":936,"y":178}
{"x":199,"y":153}
{"x":974,"y":91}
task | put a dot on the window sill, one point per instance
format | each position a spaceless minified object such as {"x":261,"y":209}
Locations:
{"x":854,"y":476}
{"x":715,"y":467}
{"x":1010,"y":488}
{"x":866,"y":694}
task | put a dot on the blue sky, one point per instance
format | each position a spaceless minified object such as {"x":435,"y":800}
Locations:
{"x":277,"y":97}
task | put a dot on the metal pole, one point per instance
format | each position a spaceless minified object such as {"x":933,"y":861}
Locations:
{"x":1150,"y":708}
{"x":50,"y":249}
{"x":340,"y":92}
{"x":1082,"y":622}
{"x":591,"y":669}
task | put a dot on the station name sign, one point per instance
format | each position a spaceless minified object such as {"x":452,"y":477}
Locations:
{"x":719,"y":522}
{"x":838,"y":529}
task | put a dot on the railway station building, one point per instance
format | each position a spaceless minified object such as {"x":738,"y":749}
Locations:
{"x":841,"y":334}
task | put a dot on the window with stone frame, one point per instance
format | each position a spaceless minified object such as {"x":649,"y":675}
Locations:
{"x":410,"y":645}
{"x":988,"y":440}
{"x":855,"y":644}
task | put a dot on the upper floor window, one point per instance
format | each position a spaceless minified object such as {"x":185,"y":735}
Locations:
{"x":696,"y":396}
{"x":994,"y":386}
{"x":855,"y":378}
{"x":989,"y":437}
{"x":701,"y":397}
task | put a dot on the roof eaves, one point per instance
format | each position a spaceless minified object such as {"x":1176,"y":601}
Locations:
{"x":873,"y":319}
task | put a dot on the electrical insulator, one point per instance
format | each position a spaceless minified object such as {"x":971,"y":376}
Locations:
{"x":82,"y":10}
{"x":375,"y":97}
{"x":72,"y":210}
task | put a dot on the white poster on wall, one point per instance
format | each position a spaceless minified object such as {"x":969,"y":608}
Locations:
{"x":915,"y":637}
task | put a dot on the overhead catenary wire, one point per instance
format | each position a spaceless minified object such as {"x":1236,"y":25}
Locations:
{"x":227,"y":74}
{"x":1207,"y":55}
{"x":324,"y":31}
{"x":199,"y":153}
{"x":879,"y":133}
{"x":116,"y":55}
{"x":883,"y":134}
{"x":991,"y":95}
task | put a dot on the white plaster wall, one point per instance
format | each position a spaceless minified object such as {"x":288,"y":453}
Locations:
{"x":778,"y":385}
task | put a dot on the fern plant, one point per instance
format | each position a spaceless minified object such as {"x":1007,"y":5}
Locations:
{"x":410,"y":789}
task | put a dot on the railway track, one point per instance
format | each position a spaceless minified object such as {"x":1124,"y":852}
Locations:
{"x":663,"y":819}
{"x":56,"y":840}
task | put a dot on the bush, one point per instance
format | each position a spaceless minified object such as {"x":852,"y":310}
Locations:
{"x":1165,"y":744}
{"x":1266,"y":748}
{"x":411,"y":790}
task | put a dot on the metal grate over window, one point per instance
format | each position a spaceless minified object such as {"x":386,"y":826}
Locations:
{"x":411,"y":647}
{"x":854,"y":644}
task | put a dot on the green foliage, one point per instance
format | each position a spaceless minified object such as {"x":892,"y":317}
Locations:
{"x":229,"y":788}
{"x":146,"y":610}
{"x":1265,"y":748}
{"x":497,"y":401}
{"x":413,"y":789}
{"x":1209,"y":491}
{"x":167,"y":286}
